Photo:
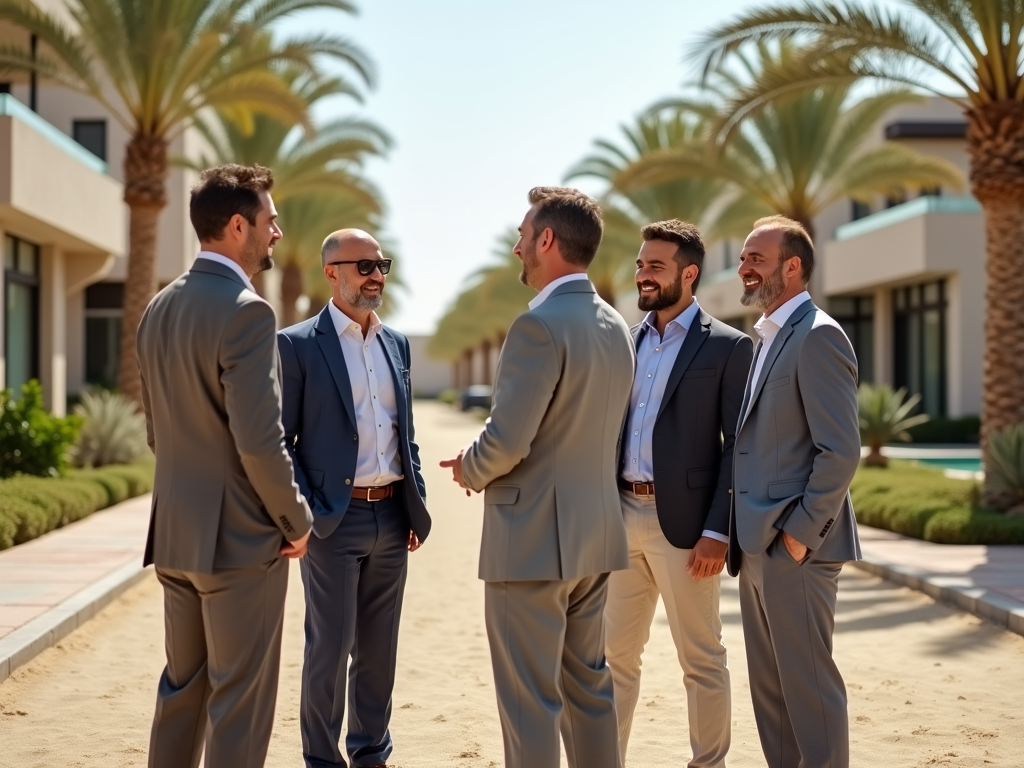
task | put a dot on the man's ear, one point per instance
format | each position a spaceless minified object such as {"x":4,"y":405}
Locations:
{"x":546,"y":240}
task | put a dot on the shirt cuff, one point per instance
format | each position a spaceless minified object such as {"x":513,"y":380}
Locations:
{"x":716,"y":536}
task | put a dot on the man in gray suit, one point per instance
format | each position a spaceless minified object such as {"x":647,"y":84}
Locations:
{"x":792,"y":525}
{"x":225,"y":503}
{"x":552,"y":526}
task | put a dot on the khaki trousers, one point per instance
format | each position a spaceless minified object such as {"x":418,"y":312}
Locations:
{"x":657,"y":568}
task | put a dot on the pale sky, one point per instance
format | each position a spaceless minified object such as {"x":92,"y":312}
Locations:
{"x":488,"y":98}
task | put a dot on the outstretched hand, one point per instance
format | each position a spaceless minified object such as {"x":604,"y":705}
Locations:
{"x":455,"y":465}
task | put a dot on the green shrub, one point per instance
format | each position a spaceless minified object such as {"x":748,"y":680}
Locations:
{"x":32,"y":440}
{"x":113,"y":430}
{"x":449,"y":396}
{"x":966,"y":429}
{"x":919,"y":501}
{"x":32,"y":506}
{"x":885,"y":416}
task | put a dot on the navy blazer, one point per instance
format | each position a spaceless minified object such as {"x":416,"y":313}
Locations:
{"x":695,"y":431}
{"x":319,"y":417}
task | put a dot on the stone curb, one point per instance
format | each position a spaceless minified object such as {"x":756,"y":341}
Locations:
{"x":45,"y":631}
{"x":952,"y":590}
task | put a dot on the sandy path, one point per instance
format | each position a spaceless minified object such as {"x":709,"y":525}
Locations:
{"x":928,"y":685}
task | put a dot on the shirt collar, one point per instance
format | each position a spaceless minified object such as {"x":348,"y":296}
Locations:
{"x":343,"y":322}
{"x":541,"y":297}
{"x":684,"y":319}
{"x":769,"y":325}
{"x":230,"y":264}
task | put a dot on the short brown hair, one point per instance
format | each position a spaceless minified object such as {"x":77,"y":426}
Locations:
{"x":573,"y":217}
{"x":689,"y":246}
{"x":222,"y":192}
{"x":795,"y":242}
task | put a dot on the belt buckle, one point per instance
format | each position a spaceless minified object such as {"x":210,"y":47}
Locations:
{"x":369,"y":494}
{"x":648,"y":488}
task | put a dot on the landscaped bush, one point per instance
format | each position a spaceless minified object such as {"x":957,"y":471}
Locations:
{"x":32,"y":440}
{"x":113,"y":430}
{"x":965,"y":429}
{"x":32,"y":506}
{"x":919,"y":501}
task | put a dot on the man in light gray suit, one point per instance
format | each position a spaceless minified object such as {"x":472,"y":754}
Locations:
{"x":792,"y":525}
{"x":546,"y":461}
{"x":225,"y":503}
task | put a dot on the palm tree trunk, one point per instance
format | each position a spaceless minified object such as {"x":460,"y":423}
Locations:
{"x":145,"y":174}
{"x":607,"y":292}
{"x":291,"y":289}
{"x":995,"y":143}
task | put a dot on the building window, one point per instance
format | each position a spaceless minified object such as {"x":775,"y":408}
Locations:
{"x":727,"y":259}
{"x":859,"y":210}
{"x":21,"y":312}
{"x":856,"y":316}
{"x":104,"y":304}
{"x":91,"y":134}
{"x":919,"y":343}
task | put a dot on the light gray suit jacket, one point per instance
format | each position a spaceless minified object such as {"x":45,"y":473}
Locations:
{"x":547,"y":456}
{"x":798,"y":444}
{"x":225,"y":493}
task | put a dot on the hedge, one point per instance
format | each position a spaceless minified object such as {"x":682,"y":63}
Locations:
{"x":31,"y":506}
{"x":921,"y":502}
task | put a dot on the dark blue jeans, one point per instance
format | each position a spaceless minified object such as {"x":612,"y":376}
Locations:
{"x":353,"y":581}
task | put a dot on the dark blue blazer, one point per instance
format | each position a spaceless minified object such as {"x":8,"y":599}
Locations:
{"x":320,"y":426}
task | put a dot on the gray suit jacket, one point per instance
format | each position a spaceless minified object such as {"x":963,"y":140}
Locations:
{"x":798,"y":445}
{"x":547,"y":456}
{"x":225,"y":493}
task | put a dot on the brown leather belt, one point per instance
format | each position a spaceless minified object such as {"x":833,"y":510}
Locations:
{"x":638,"y":489}
{"x":374,"y":492}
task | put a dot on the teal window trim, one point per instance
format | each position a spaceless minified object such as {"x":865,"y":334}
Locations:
{"x":911,"y":209}
{"x":11,"y":107}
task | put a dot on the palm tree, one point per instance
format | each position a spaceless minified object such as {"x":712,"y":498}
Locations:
{"x":156,"y":65}
{"x":884,"y":417}
{"x":967,"y":51}
{"x":795,"y":156}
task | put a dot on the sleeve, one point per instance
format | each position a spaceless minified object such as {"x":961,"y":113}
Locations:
{"x":147,"y":405}
{"x":734,"y":382}
{"x":528,"y":373}
{"x":414,"y":449}
{"x":827,"y":378}
{"x":292,"y":388}
{"x":252,"y":397}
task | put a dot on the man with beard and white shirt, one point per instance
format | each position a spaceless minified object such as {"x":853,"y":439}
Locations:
{"x":348,"y":425}
{"x":675,"y":479}
{"x":792,"y":526}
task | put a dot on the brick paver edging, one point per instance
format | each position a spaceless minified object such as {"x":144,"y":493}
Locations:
{"x":976,"y":600}
{"x":45,"y":631}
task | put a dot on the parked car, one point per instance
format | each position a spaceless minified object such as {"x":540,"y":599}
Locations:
{"x":476,"y":396}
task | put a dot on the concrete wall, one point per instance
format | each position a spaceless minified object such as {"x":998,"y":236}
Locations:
{"x":429,"y":376}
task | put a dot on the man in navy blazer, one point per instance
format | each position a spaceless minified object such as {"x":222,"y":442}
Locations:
{"x":348,"y":426}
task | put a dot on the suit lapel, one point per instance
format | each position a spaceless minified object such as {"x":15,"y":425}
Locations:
{"x":330,"y":345}
{"x":697,"y":334}
{"x":395,"y":363}
{"x":773,"y":353}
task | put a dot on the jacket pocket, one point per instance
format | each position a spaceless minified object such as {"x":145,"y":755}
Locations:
{"x":700,"y":478}
{"x":786,"y":488}
{"x":779,"y":382}
{"x":700,"y":373}
{"x":315,"y":477}
{"x":501,"y":495}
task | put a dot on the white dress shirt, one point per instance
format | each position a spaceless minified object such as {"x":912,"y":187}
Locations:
{"x":767,"y":329}
{"x":539,"y":299}
{"x":655,"y":358}
{"x":230,"y":264}
{"x":373,"y":395}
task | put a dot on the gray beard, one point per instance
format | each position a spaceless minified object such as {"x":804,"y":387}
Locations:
{"x":355,"y":298}
{"x":769,"y":292}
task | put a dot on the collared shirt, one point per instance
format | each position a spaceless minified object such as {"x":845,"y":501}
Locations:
{"x":767,"y":329}
{"x":655,"y":358}
{"x":378,"y":461}
{"x":541,"y":297}
{"x":230,"y":264}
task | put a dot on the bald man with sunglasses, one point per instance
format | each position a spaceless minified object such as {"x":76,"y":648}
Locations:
{"x":348,"y":425}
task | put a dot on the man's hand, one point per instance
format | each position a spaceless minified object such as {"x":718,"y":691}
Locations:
{"x":297,"y":548}
{"x":707,"y":558}
{"x":796,"y":550}
{"x":456,"y":467}
{"x":414,"y":541}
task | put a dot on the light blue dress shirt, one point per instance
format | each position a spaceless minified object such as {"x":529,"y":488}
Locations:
{"x":655,"y":357}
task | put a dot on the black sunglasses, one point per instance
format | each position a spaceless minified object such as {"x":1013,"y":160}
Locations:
{"x":366,"y":266}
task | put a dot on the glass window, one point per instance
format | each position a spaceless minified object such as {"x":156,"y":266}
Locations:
{"x":21,"y":312}
{"x":919,"y":329}
{"x":103,"y":312}
{"x":856,"y":316}
{"x":10,"y":252}
{"x":28,"y":258}
{"x":91,"y":134}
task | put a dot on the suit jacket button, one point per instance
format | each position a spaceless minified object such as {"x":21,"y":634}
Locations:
{"x":355,"y":438}
{"x":347,"y":481}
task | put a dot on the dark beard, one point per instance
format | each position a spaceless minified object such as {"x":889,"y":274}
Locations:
{"x":266,"y":264}
{"x":663,"y":298}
